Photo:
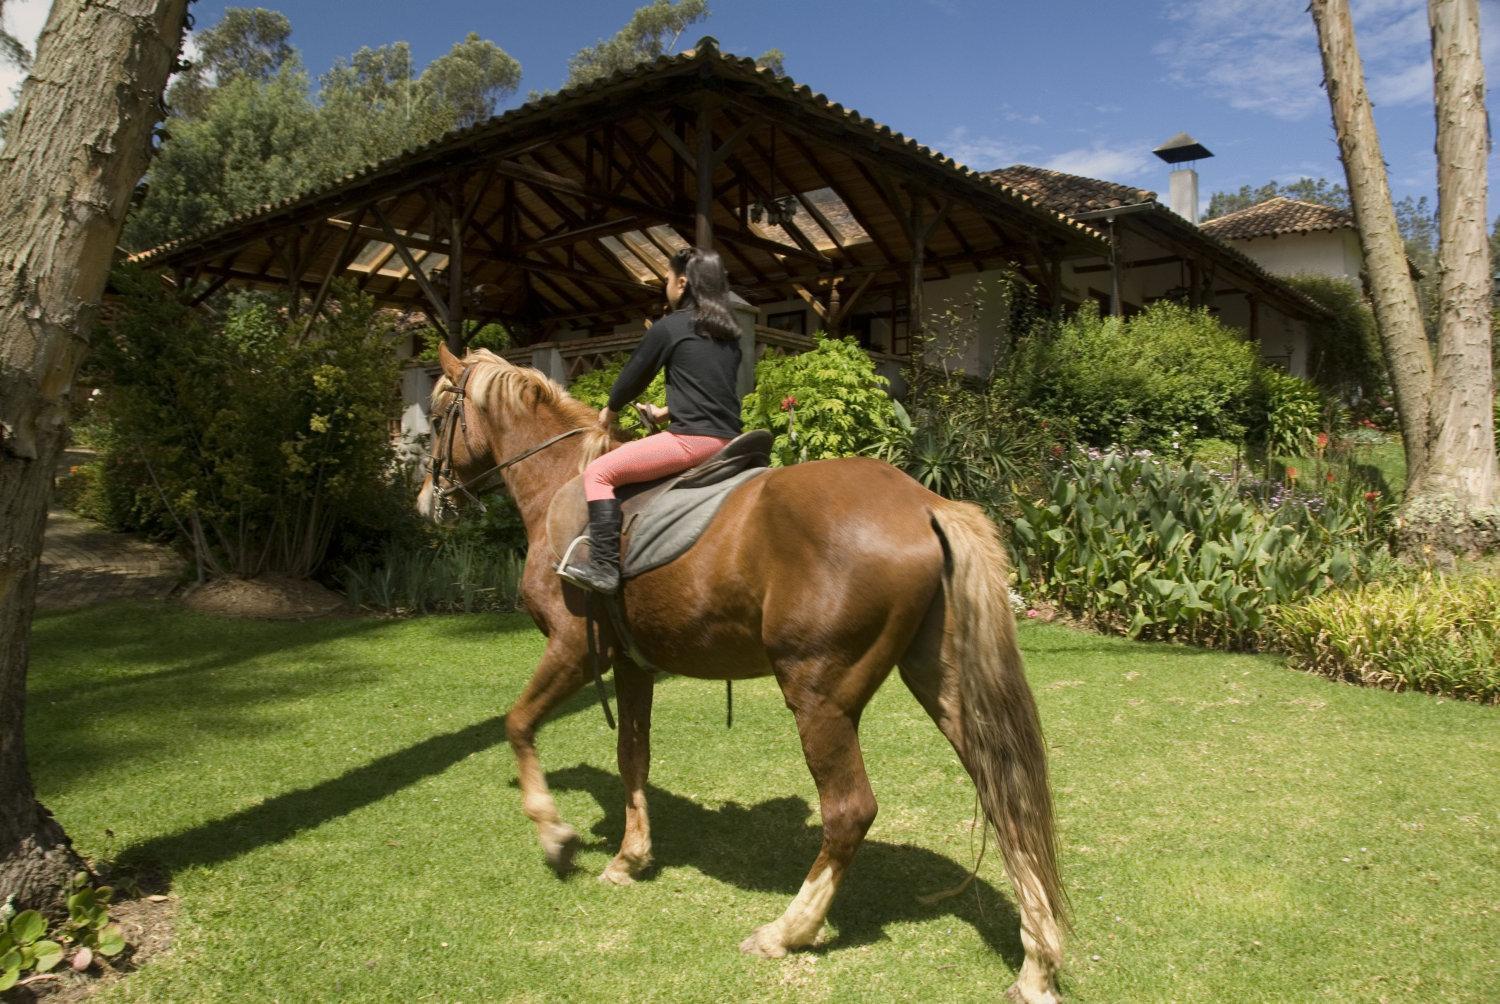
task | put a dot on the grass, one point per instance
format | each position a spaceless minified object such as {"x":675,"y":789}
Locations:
{"x":334,"y":803}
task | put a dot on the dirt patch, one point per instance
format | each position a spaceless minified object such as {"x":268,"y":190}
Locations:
{"x":265,"y":599}
{"x":148,"y":924}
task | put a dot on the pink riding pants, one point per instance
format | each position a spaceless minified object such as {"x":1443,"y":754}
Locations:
{"x":656,"y":456}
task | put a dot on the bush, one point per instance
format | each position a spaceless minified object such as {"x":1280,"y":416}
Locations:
{"x":1345,"y":357}
{"x":259,"y":442}
{"x":1287,"y":410}
{"x":823,"y":403}
{"x":446,"y":576}
{"x":1438,"y":634}
{"x":1152,"y":551}
{"x":1160,"y":380}
{"x":593,"y":387}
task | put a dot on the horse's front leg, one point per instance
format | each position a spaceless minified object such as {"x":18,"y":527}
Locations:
{"x":557,"y":677}
{"x":633,"y":690}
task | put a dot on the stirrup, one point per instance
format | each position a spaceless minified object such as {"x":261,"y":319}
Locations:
{"x":574,"y":574}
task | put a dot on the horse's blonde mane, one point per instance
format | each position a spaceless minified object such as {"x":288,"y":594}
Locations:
{"x":498,"y":387}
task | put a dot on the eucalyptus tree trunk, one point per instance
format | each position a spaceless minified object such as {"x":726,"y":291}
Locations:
{"x":1398,"y":314}
{"x":1446,"y":423}
{"x":1461,"y":432}
{"x":77,"y":143}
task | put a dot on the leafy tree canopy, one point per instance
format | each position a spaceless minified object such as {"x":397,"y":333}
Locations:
{"x":652,"y":31}
{"x":1319,"y":190}
{"x":245,"y":128}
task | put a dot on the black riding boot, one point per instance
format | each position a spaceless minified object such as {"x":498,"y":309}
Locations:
{"x":602,"y":573}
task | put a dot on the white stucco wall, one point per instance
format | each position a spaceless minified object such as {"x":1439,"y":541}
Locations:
{"x":1324,"y":252}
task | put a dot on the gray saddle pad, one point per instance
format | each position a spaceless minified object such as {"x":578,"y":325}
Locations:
{"x":662,"y":518}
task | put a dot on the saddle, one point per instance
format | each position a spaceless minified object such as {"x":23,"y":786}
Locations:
{"x":662,"y":518}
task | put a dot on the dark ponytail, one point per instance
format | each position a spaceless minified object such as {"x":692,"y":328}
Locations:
{"x":708,"y":293}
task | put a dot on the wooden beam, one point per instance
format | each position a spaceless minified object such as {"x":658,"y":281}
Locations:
{"x":346,"y":253}
{"x":703,"y":190}
{"x":412,"y":269}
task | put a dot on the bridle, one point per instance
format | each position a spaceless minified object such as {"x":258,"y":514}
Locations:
{"x":445,"y":483}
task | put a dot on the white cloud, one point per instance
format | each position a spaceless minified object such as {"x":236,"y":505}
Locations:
{"x":981,"y":153}
{"x":1106,"y":163}
{"x":1264,"y":57}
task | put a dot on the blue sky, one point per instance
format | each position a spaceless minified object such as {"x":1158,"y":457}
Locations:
{"x":1088,"y":87}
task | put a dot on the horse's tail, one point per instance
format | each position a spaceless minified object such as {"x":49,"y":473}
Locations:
{"x":1002,"y":733}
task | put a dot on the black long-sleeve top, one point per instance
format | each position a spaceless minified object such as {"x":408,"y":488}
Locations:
{"x":701,"y":377}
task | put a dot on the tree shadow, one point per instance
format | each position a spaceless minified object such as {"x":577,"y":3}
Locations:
{"x":769,"y":846}
{"x":284,"y":816}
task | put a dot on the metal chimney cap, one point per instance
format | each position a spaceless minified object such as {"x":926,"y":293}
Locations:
{"x":1181,"y":147}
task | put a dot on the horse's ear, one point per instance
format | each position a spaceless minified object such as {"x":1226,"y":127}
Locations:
{"x":452,"y":368}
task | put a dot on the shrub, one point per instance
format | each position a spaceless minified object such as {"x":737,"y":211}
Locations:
{"x":450,"y":576}
{"x":1439,"y":634}
{"x":261,"y":440}
{"x":1153,"y":551}
{"x":1345,"y":357}
{"x":826,"y":402}
{"x":1160,"y":380}
{"x":593,"y":387}
{"x":1287,"y":412}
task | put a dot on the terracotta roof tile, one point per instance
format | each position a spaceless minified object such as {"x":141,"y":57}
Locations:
{"x":1274,"y":217}
{"x":1068,"y":193}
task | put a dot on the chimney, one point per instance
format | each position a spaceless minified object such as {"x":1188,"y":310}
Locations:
{"x":1183,"y":193}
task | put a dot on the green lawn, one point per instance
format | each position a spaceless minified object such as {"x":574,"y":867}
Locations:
{"x":335,"y":804}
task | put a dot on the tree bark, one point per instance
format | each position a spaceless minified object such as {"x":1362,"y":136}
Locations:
{"x":1398,"y":316}
{"x":1461,"y":429}
{"x":78,"y":142}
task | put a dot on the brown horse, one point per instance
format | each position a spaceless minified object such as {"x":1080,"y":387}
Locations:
{"x":825,"y":575}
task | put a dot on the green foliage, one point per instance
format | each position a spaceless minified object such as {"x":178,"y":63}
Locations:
{"x":652,"y":31}
{"x":23,"y":948}
{"x":1152,"y":551}
{"x":259,"y":445}
{"x":446,"y":576}
{"x":1288,"y":411}
{"x":245,"y":130}
{"x":1439,"y":634}
{"x":1159,"y":380}
{"x":88,"y":923}
{"x":826,"y":402}
{"x":1345,"y":354}
{"x":593,"y":387}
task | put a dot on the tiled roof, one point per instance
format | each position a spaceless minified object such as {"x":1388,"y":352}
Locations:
{"x":1274,"y":217}
{"x":1068,"y":193}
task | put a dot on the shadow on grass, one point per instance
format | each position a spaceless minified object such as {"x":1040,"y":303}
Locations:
{"x":768,"y":847}
{"x":284,"y":816}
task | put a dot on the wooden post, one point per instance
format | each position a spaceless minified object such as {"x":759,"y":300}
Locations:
{"x":918,"y":235}
{"x":1116,"y":305}
{"x":455,"y":331}
{"x":704,"y":162}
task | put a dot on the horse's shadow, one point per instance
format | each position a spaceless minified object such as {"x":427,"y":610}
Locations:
{"x":768,"y":847}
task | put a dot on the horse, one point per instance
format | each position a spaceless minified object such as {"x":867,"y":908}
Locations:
{"x":825,"y":575}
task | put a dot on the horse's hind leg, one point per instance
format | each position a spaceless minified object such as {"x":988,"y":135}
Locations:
{"x":831,"y":743}
{"x":633,"y":691}
{"x":557,"y":677}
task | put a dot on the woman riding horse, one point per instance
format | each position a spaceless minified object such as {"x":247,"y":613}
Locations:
{"x":699,"y":345}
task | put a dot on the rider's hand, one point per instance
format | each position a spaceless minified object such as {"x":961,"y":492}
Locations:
{"x":606,"y":417}
{"x":657,"y":413}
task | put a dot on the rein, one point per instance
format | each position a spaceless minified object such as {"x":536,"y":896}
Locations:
{"x":444,"y":484}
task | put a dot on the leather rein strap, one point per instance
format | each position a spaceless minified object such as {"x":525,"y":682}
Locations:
{"x":444,"y":483}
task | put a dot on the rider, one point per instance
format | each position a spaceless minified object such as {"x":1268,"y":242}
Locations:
{"x":698,"y":343}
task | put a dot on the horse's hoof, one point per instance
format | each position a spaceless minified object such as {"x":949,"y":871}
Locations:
{"x":560,"y":845}
{"x":1015,"y":992}
{"x":616,"y":876}
{"x":624,"y":871}
{"x":765,"y":942}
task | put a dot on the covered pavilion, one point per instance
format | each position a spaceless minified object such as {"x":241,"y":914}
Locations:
{"x":556,"y":219}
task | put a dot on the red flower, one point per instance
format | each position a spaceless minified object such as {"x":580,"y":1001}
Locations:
{"x":789,"y":402}
{"x":1057,"y":449}
{"x":1371,"y":496}
{"x":1322,"y":440}
{"x":1291,"y":474}
{"x":1328,"y":477}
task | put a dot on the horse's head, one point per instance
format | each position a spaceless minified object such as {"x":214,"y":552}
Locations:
{"x":486,"y":414}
